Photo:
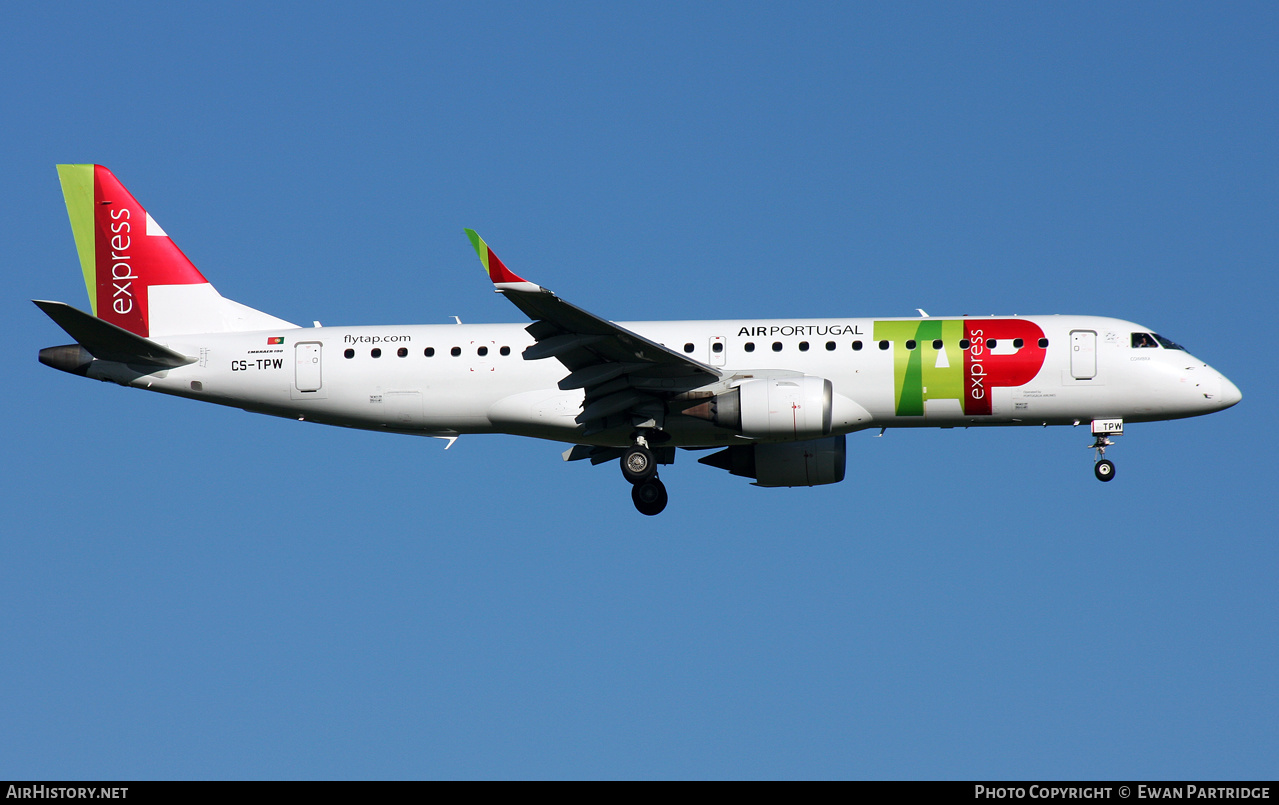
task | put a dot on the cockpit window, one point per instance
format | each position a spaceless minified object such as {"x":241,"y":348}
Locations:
{"x":1144,"y":341}
{"x":1168,"y":343}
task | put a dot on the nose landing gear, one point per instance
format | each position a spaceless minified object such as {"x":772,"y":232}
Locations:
{"x":1104,"y":469}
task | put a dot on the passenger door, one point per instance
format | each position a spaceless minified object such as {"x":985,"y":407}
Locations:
{"x":1083,"y":354}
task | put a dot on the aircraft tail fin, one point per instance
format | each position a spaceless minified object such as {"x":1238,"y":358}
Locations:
{"x":137,"y":277}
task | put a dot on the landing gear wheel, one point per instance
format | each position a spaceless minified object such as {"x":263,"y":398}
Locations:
{"x":1104,"y":470}
{"x":649,"y":497}
{"x":639,"y":465}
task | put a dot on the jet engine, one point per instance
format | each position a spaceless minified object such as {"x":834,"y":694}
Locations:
{"x":809,"y":463}
{"x":789,"y":407}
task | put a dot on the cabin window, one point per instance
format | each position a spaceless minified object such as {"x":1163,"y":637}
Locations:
{"x":1043,"y":343}
{"x":749,"y":346}
{"x":937,"y":343}
{"x":717,"y":347}
{"x":482,"y":351}
{"x":857,"y":345}
{"x":830,"y":346}
{"x":429,"y":352}
{"x":350,"y":353}
{"x":688,"y":348}
{"x":883,"y":345}
{"x":803,"y":346}
{"x":376,"y":352}
{"x":402,"y":352}
{"x":964,"y":343}
{"x":777,"y":346}
{"x":1018,"y":343}
{"x":991,"y":343}
{"x":455,"y":351}
{"x":505,"y":351}
{"x":910,"y":344}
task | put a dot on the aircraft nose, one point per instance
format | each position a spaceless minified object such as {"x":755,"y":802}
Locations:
{"x":1230,"y":393}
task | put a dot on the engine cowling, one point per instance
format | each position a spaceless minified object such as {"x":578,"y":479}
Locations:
{"x":785,"y":407}
{"x":808,"y":463}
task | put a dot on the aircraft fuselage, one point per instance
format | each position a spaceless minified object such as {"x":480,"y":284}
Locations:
{"x":471,"y":378}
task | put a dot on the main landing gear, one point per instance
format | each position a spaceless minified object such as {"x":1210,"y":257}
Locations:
{"x":639,"y":466}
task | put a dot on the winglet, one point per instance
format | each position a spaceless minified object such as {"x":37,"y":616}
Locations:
{"x":503,"y":278}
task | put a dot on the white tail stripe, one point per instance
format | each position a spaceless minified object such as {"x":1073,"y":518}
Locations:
{"x":153,"y":229}
{"x":199,"y":308}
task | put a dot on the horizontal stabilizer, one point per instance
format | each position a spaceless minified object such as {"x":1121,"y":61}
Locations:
{"x":107,"y":342}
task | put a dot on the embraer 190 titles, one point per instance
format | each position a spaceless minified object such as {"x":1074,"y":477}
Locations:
{"x":774,"y":399}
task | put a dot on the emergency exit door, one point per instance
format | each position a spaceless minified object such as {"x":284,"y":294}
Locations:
{"x":308,"y":368}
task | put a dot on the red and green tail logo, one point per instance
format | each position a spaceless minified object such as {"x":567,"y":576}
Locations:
{"x":123,"y":251}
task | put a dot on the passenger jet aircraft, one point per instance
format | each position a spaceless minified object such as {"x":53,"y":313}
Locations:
{"x":775,"y":398}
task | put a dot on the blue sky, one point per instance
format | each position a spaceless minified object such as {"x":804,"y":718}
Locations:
{"x":189,"y":591}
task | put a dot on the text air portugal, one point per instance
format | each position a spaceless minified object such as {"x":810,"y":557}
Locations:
{"x":131,"y":253}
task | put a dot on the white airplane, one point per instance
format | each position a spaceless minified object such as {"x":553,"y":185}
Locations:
{"x":776,"y":397}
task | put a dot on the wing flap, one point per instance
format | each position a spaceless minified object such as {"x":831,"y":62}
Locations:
{"x":558,"y":345}
{"x":597,"y":374}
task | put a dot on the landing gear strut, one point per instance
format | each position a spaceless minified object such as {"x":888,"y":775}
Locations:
{"x":639,"y":466}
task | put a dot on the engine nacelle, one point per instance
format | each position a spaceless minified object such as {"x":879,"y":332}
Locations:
{"x":809,"y":463}
{"x":794,"y":408}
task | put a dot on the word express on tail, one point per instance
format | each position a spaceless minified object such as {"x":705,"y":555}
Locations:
{"x":137,"y":278}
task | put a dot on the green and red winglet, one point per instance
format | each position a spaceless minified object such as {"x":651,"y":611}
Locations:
{"x":504,"y":279}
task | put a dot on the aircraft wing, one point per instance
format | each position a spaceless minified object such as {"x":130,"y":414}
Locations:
{"x":623,"y":374}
